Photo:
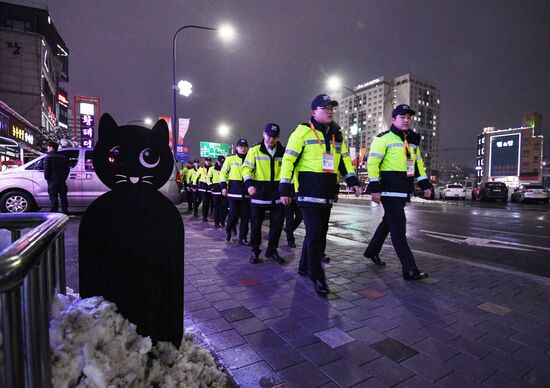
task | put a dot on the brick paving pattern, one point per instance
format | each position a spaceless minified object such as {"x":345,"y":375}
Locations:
{"x":464,"y":326}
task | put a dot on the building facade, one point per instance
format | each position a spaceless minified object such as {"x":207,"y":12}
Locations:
{"x":367,"y":113}
{"x":512,"y":156}
{"x":33,"y":63}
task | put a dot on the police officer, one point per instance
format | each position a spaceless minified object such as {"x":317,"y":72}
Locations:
{"x":261,"y":174}
{"x":316,"y":152}
{"x":394,"y":163}
{"x":218,"y":200}
{"x":232,"y":184}
{"x":186,"y":174}
{"x":293,"y":219}
{"x":194,"y":185}
{"x":205,"y":187}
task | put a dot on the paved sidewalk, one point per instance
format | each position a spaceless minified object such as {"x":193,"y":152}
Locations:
{"x":464,"y":326}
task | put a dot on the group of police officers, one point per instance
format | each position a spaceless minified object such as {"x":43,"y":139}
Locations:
{"x":301,"y":181}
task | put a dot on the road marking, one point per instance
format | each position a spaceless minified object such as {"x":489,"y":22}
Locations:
{"x":514,"y":233}
{"x":483,"y":242}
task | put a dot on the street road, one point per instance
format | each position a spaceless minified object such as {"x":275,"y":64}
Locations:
{"x":510,"y":235}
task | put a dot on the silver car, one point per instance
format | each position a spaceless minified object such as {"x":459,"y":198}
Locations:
{"x":24,"y":189}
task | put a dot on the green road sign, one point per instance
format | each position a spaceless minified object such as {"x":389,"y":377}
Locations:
{"x":213,"y":150}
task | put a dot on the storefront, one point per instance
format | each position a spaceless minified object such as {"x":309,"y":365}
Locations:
{"x":18,"y":139}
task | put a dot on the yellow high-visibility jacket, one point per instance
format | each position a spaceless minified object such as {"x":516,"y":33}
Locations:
{"x":314,"y":185}
{"x":231,"y":177}
{"x":387,"y":164}
{"x":214,"y":175}
{"x":263,"y":171}
{"x":204,"y":179}
{"x":193,"y":177}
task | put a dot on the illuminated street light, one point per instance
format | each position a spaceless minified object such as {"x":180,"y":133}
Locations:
{"x":185,"y":88}
{"x":226,"y":33}
{"x":334,"y":83}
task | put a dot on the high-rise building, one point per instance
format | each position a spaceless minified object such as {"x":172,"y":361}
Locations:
{"x":33,"y":62}
{"x":366,"y":114}
{"x":512,"y":155}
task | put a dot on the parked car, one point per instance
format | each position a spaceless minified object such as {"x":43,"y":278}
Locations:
{"x":530,"y":192}
{"x":418,"y":192}
{"x":490,"y":190}
{"x":24,"y":189}
{"x":454,"y":190}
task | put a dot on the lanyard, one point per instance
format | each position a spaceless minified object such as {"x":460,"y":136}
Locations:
{"x":407,"y":149}
{"x":317,"y":136}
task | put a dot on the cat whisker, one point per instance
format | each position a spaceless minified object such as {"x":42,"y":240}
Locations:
{"x":147,"y":176}
{"x":121,"y":181}
{"x":121,"y":175}
{"x":150,"y":183}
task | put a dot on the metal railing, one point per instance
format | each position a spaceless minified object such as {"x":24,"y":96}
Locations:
{"x":32,"y":271}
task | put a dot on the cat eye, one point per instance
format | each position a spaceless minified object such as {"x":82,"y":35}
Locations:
{"x":148,"y":158}
{"x":116,"y":155}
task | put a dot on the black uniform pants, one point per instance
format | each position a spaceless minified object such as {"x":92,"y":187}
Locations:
{"x":238,"y":208}
{"x":189,"y":194}
{"x":316,"y":222}
{"x":55,"y":190}
{"x":276,"y":219}
{"x":205,"y":195}
{"x":394,"y":223}
{"x":219,"y":203}
{"x":293,"y":218}
{"x":196,"y":202}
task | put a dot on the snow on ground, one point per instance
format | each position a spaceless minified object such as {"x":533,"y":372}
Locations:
{"x":95,"y":346}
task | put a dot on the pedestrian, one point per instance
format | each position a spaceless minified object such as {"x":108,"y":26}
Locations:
{"x":218,"y":200}
{"x":231,"y":181}
{"x":187,"y":185}
{"x":194,"y":185}
{"x":261,"y":174}
{"x":394,"y":163}
{"x":204,"y":187}
{"x":56,"y":170}
{"x":316,"y":153}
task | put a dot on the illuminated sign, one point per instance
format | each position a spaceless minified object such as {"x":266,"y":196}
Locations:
{"x":87,"y":122}
{"x":370,"y":83}
{"x":504,"y":156}
{"x":19,"y":133}
{"x":87,"y":108}
{"x":213,"y":150}
{"x":62,"y":99}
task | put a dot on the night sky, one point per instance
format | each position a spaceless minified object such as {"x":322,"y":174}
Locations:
{"x":489,"y":59}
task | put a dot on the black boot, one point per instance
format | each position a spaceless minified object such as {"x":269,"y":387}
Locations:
{"x":375,"y":259}
{"x":414,"y":275}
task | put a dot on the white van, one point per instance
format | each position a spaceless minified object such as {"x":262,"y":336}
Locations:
{"x":24,"y":189}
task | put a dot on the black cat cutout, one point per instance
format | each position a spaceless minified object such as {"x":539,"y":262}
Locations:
{"x":131,"y":242}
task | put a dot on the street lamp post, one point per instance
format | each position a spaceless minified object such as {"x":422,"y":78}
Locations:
{"x":174,"y":85}
{"x":336,"y":83}
{"x":227,"y":33}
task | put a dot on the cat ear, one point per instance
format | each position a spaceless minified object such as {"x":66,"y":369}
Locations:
{"x":106,"y":126}
{"x":160,"y":132}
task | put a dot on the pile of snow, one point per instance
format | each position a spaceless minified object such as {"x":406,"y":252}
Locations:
{"x":94,"y":346}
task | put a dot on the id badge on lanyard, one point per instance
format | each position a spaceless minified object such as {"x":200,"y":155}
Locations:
{"x":410,"y":168}
{"x":328,"y":162}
